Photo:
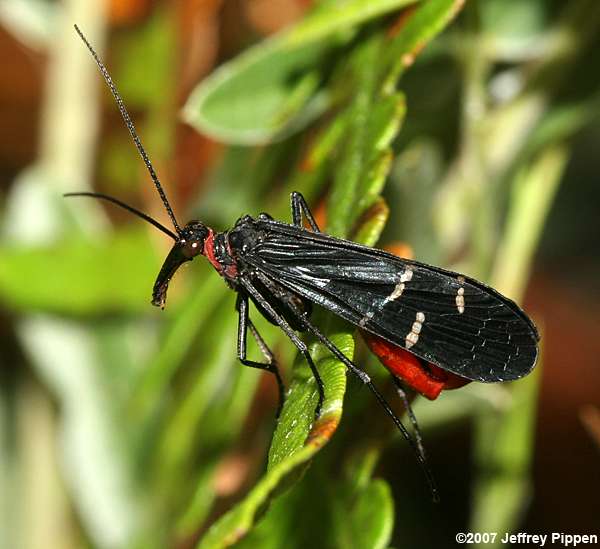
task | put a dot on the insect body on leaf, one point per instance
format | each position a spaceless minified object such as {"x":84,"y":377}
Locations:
{"x":459,"y":328}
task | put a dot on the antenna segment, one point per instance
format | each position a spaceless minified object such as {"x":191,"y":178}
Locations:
{"x":131,"y":128}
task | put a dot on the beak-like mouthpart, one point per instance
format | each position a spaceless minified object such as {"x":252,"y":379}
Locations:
{"x":175,"y":258}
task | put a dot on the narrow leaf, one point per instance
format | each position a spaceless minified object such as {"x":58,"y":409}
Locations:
{"x":295,"y":442}
{"x":271,"y":89}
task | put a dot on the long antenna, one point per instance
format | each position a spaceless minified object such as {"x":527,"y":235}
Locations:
{"x":130,"y":209}
{"x":131,"y":128}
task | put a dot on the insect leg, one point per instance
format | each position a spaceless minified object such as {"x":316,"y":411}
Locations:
{"x":363,"y":376}
{"x":271,"y":364}
{"x":288,"y":330}
{"x":299,"y":207}
{"x":411,"y":415}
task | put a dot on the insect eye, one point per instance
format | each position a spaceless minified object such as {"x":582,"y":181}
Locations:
{"x":193,"y":247}
{"x":193,"y":237}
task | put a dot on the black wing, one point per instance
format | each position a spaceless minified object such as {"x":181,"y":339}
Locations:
{"x":445,"y":318}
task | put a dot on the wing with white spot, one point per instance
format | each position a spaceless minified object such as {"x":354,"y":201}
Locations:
{"x":445,"y":318}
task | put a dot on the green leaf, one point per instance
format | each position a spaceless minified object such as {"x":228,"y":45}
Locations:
{"x":372,"y":223}
{"x":256,"y":97}
{"x":532,"y":193}
{"x":357,"y":150}
{"x":421,"y":27}
{"x":272,"y":88}
{"x":80,"y":275}
{"x":371,"y":517}
{"x":365,"y":159}
{"x":295,"y":442}
{"x":329,"y":511}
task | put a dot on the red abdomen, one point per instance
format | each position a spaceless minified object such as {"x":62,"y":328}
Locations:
{"x":427,"y":379}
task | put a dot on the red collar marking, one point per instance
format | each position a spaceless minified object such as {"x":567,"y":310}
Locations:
{"x":209,"y":250}
{"x":229,"y":271}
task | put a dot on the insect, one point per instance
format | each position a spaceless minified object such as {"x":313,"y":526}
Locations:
{"x":459,"y":328}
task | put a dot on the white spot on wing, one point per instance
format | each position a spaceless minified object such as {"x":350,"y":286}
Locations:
{"x":413,"y":336}
{"x":460,"y":296}
{"x":363,"y":321}
{"x":406,"y":276}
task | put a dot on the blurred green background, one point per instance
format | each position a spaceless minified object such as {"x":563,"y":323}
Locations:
{"x":464,"y":133}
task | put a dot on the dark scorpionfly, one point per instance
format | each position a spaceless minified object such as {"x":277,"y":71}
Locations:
{"x":456,"y":328}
